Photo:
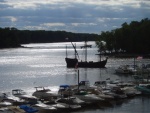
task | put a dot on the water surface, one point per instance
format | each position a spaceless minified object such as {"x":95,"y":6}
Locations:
{"x":44,"y":65}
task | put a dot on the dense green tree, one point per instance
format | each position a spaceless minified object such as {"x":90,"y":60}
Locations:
{"x":12,"y":37}
{"x":132,"y":38}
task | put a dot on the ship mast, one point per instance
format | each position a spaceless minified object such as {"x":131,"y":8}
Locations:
{"x":85,"y":51}
{"x":85,"y":47}
{"x":66,"y":52}
{"x":76,"y":53}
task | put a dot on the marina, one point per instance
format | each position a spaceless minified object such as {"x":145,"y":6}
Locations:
{"x":44,"y":65}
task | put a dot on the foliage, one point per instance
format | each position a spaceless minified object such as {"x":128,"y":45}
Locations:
{"x":9,"y":38}
{"x":12,"y":37}
{"x":132,"y":38}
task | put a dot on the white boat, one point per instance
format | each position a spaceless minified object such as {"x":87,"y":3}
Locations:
{"x":65,"y":90}
{"x":88,"y":98}
{"x":3,"y":96}
{"x":99,"y":93}
{"x":59,"y":107}
{"x":5,"y":104}
{"x":70,"y":103}
{"x":69,"y":90}
{"x":131,"y":91}
{"x":110,"y":89}
{"x":24,"y":97}
{"x":21,"y":94}
{"x":7,"y":98}
{"x":43,"y":108}
{"x":44,"y":93}
{"x":5,"y":110}
{"x":126,"y":69}
{"x":73,"y":100}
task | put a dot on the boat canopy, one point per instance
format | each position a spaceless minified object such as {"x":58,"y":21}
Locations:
{"x":64,"y":86}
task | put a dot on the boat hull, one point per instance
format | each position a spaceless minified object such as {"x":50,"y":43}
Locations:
{"x":73,"y":63}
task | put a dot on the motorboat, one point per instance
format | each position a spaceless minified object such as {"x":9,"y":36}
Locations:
{"x":71,"y":103}
{"x":126,"y":69}
{"x":5,"y":104}
{"x":43,"y":108}
{"x":21,"y":94}
{"x":71,"y":100}
{"x":144,"y":88}
{"x":69,"y":90}
{"x":58,"y":106}
{"x":24,"y":97}
{"x":44,"y":93}
{"x":7,"y":98}
{"x":65,"y":90}
{"x":131,"y":91}
{"x":99,"y":93}
{"x":3,"y":96}
{"x":118,"y":93}
{"x":100,"y":83}
{"x":88,"y":98}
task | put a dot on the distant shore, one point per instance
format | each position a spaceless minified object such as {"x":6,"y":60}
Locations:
{"x":125,"y":55}
{"x":111,"y":55}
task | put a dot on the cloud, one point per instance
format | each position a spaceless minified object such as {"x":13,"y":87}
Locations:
{"x":53,"y":24}
{"x":88,"y":16}
{"x":12,"y":19}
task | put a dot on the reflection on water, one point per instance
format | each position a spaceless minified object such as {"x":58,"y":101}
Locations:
{"x":44,"y":65}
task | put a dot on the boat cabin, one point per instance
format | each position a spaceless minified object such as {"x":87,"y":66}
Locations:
{"x":18,"y":92}
{"x":41,"y":89}
{"x":97,"y":83}
{"x":65,"y":90}
{"x":84,"y":83}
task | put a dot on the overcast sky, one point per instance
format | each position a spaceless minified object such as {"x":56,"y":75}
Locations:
{"x":79,"y":16}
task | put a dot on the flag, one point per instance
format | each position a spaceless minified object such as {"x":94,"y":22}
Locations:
{"x":139,"y":57}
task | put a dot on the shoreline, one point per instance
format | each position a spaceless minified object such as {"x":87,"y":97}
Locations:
{"x":111,"y":55}
{"x":125,"y":55}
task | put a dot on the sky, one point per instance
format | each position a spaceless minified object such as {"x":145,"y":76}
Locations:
{"x":78,"y":16}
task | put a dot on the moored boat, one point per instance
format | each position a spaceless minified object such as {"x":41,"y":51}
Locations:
{"x":24,"y":97}
{"x":71,"y":103}
{"x":44,"y":93}
{"x":74,"y":62}
{"x":144,"y":88}
{"x":43,"y":108}
{"x":126,"y":69}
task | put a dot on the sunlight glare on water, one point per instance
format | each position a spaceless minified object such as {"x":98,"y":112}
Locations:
{"x":44,"y":65}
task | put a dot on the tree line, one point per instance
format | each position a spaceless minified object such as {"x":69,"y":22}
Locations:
{"x":12,"y":37}
{"x":130,"y":38}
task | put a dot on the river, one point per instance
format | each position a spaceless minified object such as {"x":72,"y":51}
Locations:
{"x":44,"y":65}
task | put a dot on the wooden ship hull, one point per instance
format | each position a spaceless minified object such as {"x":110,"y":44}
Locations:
{"x":74,"y":63}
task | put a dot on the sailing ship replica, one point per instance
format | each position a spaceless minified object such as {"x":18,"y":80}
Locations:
{"x":74,"y":62}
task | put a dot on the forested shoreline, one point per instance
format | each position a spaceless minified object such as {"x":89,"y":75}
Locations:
{"x":12,"y":37}
{"x":132,"y":38}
